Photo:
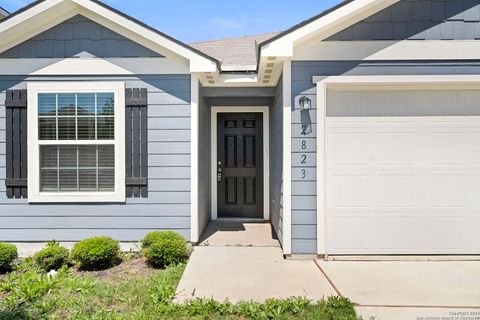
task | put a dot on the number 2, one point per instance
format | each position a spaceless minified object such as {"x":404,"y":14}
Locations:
{"x":304,"y":130}
{"x":304,"y":159}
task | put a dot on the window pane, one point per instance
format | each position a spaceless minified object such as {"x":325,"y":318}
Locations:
{"x":88,"y":180}
{"x":47,"y":128}
{"x":68,"y":180}
{"x":87,"y":156}
{"x":86,"y":104}
{"x":66,"y":128}
{"x":66,"y":104}
{"x":48,"y":157}
{"x":49,"y":180}
{"x":106,"y":157}
{"x":68,"y":157}
{"x":86,"y":128}
{"x":106,"y":180}
{"x":105,"y":104}
{"x":105,"y":128}
{"x":60,"y":171}
{"x":47,"y":104}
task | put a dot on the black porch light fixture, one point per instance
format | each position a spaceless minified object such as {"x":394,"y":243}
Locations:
{"x":305,"y":103}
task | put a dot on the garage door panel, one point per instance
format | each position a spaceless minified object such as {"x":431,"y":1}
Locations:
{"x":342,"y":144}
{"x":348,"y":191}
{"x":390,"y":148}
{"x":394,"y":190}
{"x":350,"y":234}
{"x":452,"y":190}
{"x":452,"y":147}
{"x":452,"y":233}
{"x":389,"y":233}
{"x":403,"y":172}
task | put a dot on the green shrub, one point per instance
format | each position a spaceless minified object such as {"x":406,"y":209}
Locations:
{"x":164,"y":248}
{"x":8,"y":253}
{"x":96,"y":253}
{"x":53,"y":257}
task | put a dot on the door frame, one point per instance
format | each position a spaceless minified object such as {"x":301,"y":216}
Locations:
{"x":266,"y":154}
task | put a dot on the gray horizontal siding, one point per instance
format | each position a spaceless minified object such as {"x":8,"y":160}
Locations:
{"x":304,"y":189}
{"x":419,"y":20}
{"x":168,"y":202}
{"x":32,"y":235}
{"x":77,"y":35}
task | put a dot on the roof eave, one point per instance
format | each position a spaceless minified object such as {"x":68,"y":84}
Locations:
{"x":338,"y":17}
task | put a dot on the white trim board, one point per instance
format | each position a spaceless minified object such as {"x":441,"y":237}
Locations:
{"x":194,"y":123}
{"x":389,"y":50}
{"x":266,"y":154}
{"x":287,"y":157}
{"x":360,"y":83}
{"x":93,"y":66}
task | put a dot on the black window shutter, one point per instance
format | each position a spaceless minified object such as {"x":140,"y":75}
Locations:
{"x":136,"y":135}
{"x":16,"y":143}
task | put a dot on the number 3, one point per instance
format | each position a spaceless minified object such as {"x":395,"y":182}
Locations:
{"x":304,"y":174}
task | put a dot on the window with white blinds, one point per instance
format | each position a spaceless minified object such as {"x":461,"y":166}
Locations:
{"x":81,"y":117}
{"x":79,"y":134}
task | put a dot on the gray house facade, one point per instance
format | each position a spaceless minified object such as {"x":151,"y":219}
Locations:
{"x":356,"y":132}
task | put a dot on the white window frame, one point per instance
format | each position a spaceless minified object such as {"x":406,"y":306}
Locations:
{"x":34,"y":193}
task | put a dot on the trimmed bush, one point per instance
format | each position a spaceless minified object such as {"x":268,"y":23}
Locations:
{"x":96,"y":253}
{"x":8,"y":253}
{"x":164,"y":248}
{"x":53,"y":257}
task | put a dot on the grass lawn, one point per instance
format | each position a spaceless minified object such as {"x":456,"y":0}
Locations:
{"x":131,"y":290}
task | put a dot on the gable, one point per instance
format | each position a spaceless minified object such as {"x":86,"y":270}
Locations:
{"x":40,"y":16}
{"x":76,"y":36}
{"x":418,"y":20}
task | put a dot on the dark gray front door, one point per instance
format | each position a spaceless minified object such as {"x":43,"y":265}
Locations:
{"x":240,"y":165}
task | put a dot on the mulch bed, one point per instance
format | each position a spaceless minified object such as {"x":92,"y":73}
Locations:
{"x":136,"y":267}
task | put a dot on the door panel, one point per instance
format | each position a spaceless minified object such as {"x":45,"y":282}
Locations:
{"x":240,"y":165}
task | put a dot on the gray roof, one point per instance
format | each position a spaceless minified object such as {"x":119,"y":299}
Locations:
{"x":234,"y":54}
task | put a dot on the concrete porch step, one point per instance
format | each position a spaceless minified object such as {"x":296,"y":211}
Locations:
{"x":238,"y":233}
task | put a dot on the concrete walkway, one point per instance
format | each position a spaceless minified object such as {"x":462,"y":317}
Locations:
{"x":249,"y":273}
{"x":243,"y":261}
{"x":239,"y":261}
{"x":408,"y":290}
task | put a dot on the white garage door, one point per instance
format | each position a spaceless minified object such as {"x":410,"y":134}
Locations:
{"x":403,"y":172}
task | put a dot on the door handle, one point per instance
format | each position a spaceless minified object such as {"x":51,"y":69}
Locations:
{"x":219,"y":174}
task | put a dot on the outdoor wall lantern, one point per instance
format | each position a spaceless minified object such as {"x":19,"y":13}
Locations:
{"x":305,"y":103}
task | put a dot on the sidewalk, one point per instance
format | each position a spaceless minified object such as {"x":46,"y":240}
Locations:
{"x":249,"y":273}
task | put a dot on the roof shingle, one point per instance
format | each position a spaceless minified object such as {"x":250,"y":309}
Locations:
{"x":234,"y":54}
